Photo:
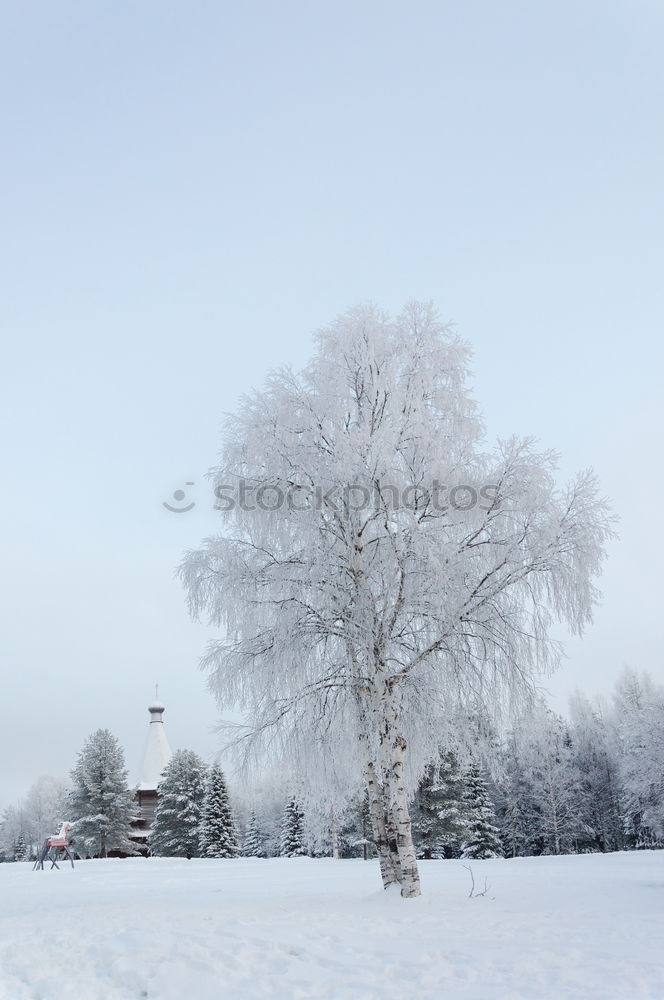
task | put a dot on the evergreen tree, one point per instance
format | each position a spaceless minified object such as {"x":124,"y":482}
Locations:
{"x":355,"y":830}
{"x":440,"y":826}
{"x":269,"y":821}
{"x":217,"y":837}
{"x":365,"y":841}
{"x":20,"y":849}
{"x":292,"y":831}
{"x":101,"y":805}
{"x":177,"y":823}
{"x":484,"y":836}
{"x":518,"y":817}
{"x":253,"y":842}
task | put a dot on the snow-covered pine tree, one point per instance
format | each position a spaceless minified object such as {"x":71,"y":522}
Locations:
{"x":100,"y":804}
{"x":365,"y":841}
{"x":218,"y":837}
{"x":484,"y":837}
{"x":177,"y":822}
{"x":269,"y":816}
{"x":292,"y":831}
{"x":440,"y":827}
{"x":253,"y":842}
{"x":518,"y":816}
{"x":452,"y":825}
{"x":20,"y":849}
{"x":355,"y":830}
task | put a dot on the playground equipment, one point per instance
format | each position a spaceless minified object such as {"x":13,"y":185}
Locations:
{"x":54,"y":848}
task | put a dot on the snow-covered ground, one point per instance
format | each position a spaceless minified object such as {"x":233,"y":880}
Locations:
{"x":555,"y":928}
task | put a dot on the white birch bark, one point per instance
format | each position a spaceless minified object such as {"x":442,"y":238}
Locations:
{"x":394,"y":747}
{"x":334,"y":834}
{"x":553,"y":804}
{"x":390,"y":869}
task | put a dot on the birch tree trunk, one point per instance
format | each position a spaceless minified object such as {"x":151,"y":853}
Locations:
{"x":394,"y":748}
{"x":554,"y":815}
{"x":334,"y":835}
{"x":390,"y":869}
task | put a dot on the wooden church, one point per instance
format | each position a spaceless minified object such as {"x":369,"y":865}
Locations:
{"x":156,"y":756}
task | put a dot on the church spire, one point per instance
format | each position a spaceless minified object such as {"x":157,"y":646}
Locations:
{"x":157,"y":752}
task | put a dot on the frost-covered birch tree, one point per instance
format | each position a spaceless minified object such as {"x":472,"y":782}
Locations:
{"x":45,"y":808}
{"x":556,"y":827}
{"x":596,"y":778}
{"x":639,"y":709}
{"x":379,"y":563}
{"x":13,"y":824}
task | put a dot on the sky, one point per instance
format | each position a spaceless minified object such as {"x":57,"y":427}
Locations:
{"x":188,"y":191}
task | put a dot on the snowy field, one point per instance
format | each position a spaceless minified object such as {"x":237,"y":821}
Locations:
{"x":557,"y":928}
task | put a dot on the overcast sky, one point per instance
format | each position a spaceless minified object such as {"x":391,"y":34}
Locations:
{"x":190,"y":189}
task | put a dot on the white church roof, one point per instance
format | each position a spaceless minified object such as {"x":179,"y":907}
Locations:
{"x":157,"y":752}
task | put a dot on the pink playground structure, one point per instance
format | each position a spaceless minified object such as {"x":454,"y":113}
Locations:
{"x":54,"y":848}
